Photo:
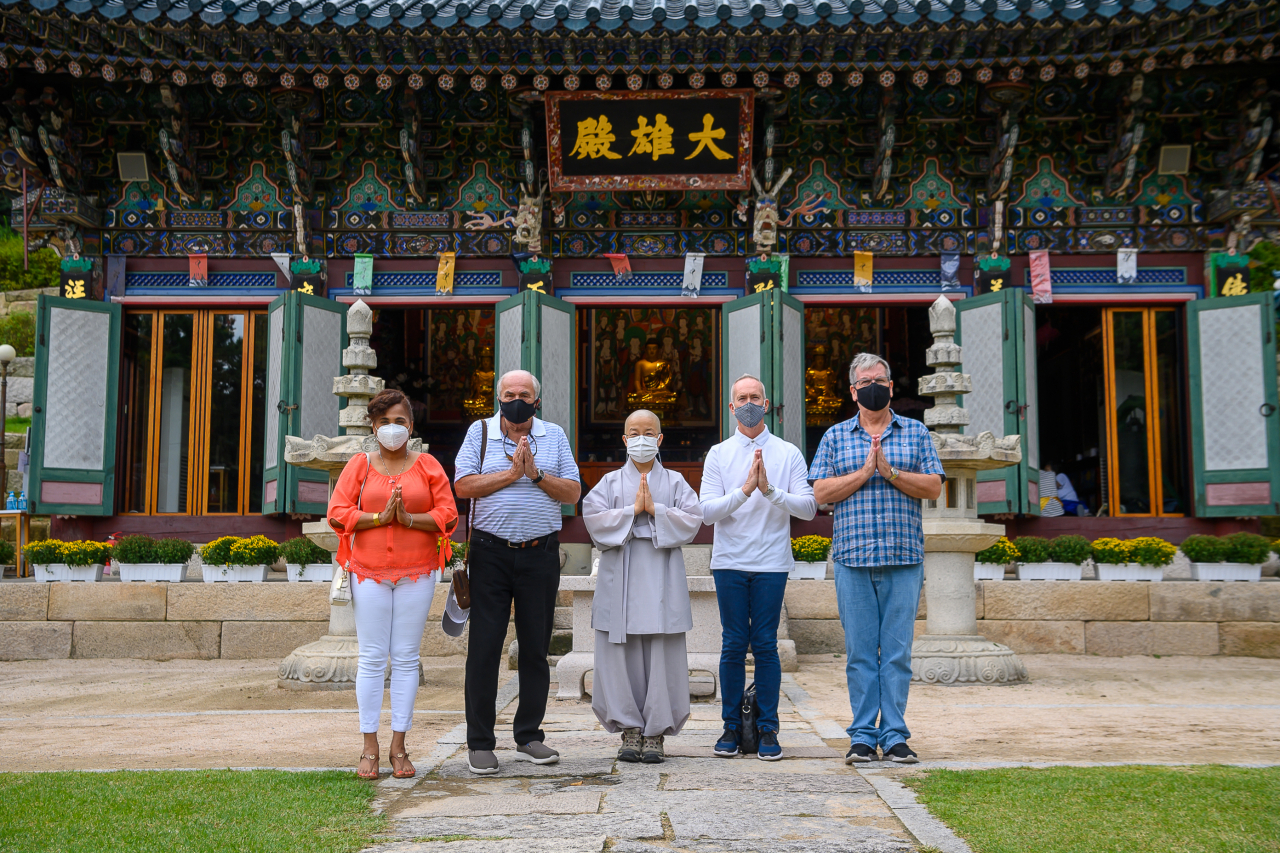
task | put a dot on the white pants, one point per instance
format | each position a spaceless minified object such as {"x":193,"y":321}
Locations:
{"x":390,"y":619}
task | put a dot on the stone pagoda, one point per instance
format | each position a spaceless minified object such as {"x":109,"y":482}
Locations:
{"x":951,"y":651}
{"x":330,"y":662}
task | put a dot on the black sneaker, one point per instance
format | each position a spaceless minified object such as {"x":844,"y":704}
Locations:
{"x":901,"y":754}
{"x":769,"y":749}
{"x":860,"y":753}
{"x":727,"y":746}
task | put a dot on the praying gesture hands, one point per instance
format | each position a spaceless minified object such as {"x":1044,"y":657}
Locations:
{"x":392,"y":508}
{"x":757,"y":477}
{"x":644,"y":498}
{"x":402,"y":514}
{"x":522,"y":461}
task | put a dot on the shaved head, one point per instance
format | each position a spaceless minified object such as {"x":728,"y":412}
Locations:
{"x":639,"y":416}
{"x":746,"y":378}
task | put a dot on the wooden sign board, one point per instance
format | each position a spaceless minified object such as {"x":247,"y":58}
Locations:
{"x":649,"y":140}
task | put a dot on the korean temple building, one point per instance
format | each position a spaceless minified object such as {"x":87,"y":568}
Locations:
{"x":640,"y":200}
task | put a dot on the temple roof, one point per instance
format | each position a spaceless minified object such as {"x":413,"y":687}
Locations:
{"x":637,"y":15}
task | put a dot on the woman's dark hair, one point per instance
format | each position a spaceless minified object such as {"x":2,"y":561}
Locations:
{"x":386,"y":399}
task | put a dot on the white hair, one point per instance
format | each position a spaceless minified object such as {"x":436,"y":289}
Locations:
{"x":537,"y":386}
{"x":866,"y":361}
{"x":752,"y":377}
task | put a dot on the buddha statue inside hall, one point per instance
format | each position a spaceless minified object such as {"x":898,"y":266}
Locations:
{"x":480,"y":400}
{"x":653,"y":381}
{"x":822,"y":400}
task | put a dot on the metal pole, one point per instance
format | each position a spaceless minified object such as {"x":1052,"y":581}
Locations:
{"x":4,"y":413}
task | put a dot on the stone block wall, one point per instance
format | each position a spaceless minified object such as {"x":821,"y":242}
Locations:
{"x":1084,"y":617}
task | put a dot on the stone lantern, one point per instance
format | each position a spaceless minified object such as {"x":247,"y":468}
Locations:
{"x":330,"y":662}
{"x":951,"y":651}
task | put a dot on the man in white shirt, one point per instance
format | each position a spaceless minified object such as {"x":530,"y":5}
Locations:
{"x":752,"y":484}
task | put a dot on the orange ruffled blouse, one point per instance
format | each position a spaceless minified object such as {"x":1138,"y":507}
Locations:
{"x":392,"y":552}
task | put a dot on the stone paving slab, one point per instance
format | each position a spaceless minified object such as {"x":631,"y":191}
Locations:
{"x":678,"y":749}
{"x":535,"y":826}
{"x":589,"y":844}
{"x":800,"y":783}
{"x":570,"y":802}
{"x":806,"y":846}
{"x":766,"y":829}
{"x":574,"y":765}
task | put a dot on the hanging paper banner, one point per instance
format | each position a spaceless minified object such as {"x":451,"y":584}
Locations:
{"x":1041,"y":279}
{"x":784,"y":271}
{"x":691,"y":284}
{"x":863,"y":266}
{"x":307,"y":276}
{"x":115,"y":276}
{"x":444,"y":274}
{"x":621,"y":266}
{"x":950,"y":276}
{"x":362,"y":278}
{"x":991,"y":273}
{"x":77,"y":278}
{"x":1126,"y":266}
{"x":1230,"y":274}
{"x":282,"y":262}
{"x":763,"y":274}
{"x":199,"y":266}
{"x":535,"y":273}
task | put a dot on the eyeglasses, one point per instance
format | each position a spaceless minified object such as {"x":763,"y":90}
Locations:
{"x":863,"y":383}
{"x":533,"y":445}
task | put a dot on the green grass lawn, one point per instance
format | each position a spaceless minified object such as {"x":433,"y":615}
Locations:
{"x":185,"y":812}
{"x":1203,"y":809}
{"x":16,"y":424}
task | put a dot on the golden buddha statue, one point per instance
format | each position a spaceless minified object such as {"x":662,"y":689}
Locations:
{"x":651,"y":382}
{"x":479,"y":403}
{"x":822,"y":401}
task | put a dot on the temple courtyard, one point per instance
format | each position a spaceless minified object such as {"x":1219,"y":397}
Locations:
{"x":64,"y":715}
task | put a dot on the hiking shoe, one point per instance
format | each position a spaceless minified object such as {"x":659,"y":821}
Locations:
{"x":769,"y":749}
{"x":860,"y":753}
{"x":901,"y":754}
{"x":537,"y":752}
{"x":630,"y":749}
{"x":482,"y":762}
{"x":653,"y":752}
{"x":727,"y":746}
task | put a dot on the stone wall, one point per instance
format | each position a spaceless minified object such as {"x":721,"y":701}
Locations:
{"x":22,"y":370}
{"x":1084,"y":617}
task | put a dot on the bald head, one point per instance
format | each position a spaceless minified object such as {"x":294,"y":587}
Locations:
{"x":640,"y":419}
{"x":519,"y":385}
{"x":749,"y":388}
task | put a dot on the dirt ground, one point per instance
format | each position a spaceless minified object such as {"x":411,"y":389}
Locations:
{"x":98,"y":714}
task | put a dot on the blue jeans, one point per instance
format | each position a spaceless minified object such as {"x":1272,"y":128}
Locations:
{"x":750,"y":609}
{"x":878,"y":612}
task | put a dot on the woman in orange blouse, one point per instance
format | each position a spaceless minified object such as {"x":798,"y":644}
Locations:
{"x":393,"y":510}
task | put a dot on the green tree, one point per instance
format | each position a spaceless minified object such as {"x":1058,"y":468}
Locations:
{"x":43,"y":264}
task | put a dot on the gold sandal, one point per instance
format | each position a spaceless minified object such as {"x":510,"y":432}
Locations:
{"x":372,"y":758}
{"x":401,"y":774}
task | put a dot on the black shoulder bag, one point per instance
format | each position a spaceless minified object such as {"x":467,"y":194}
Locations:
{"x":461,"y":578}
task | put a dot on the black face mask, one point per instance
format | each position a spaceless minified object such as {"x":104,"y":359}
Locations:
{"x":873,"y":398}
{"x":518,"y":411}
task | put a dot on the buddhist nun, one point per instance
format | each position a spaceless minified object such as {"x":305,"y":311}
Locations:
{"x":639,"y":516}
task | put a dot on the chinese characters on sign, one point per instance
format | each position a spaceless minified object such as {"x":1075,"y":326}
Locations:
{"x":649,"y":140}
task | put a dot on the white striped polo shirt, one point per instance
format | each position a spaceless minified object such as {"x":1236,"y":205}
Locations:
{"x":520,"y":511}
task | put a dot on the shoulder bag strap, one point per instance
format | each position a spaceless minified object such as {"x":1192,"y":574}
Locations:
{"x":368,"y":461}
{"x":484,"y":444}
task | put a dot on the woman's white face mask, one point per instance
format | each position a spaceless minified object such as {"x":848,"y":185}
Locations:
{"x":642,"y":448}
{"x":393,"y":436}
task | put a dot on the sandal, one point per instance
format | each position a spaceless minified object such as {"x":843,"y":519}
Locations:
{"x":374,"y":775}
{"x":401,"y":774}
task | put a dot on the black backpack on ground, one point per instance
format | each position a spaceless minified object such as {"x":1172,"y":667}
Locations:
{"x":748,"y":738}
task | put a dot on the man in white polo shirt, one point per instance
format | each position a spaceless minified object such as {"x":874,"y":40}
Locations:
{"x":752,"y":484}
{"x":528,"y":472}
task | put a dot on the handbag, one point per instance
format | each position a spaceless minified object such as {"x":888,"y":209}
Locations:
{"x":749,"y":738}
{"x":340,"y":586}
{"x":461,"y":582}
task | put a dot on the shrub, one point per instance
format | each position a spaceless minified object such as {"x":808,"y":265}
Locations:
{"x":1108,"y":550}
{"x":43,"y":552}
{"x":1032,"y":549}
{"x":218,"y":552}
{"x":44,"y":264}
{"x":19,"y":331}
{"x":302,"y":551}
{"x":1152,"y":551}
{"x":7,"y":552}
{"x":1070,"y":549}
{"x":136,"y":549}
{"x":1246,"y":548}
{"x":254,"y":551}
{"x":1275,"y":547}
{"x":1000,"y":553}
{"x":82,"y":553}
{"x":1204,"y":549}
{"x":171,"y":552}
{"x":459,"y":553}
{"x":810,"y":549}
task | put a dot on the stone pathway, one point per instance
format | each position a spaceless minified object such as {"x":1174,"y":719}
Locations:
{"x":809,"y":802}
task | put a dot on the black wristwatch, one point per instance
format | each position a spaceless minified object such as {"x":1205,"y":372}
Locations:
{"x":538,"y":479}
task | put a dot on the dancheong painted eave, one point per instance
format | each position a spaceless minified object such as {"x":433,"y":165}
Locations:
{"x":605,"y":15}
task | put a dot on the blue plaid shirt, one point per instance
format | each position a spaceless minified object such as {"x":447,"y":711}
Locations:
{"x":877,"y":525}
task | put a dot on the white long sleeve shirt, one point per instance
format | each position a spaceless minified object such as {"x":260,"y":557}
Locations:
{"x":753,"y":533}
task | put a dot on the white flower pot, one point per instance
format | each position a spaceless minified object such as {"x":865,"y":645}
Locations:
{"x":234,"y":574}
{"x":1129,"y":572}
{"x":317,"y":572}
{"x":1226,"y":572}
{"x":988,"y":571}
{"x":168,"y":572}
{"x":1050,"y":572}
{"x":807,"y":571}
{"x":63,"y":572}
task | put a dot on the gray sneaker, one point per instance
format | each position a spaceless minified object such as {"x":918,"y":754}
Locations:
{"x":653,"y":752}
{"x":482,"y":762}
{"x":537,"y":752}
{"x":630,"y":749}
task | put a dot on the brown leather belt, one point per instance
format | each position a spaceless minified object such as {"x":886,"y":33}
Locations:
{"x":480,"y":537}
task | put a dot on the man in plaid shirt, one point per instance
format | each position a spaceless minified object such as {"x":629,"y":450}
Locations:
{"x":876,"y":468}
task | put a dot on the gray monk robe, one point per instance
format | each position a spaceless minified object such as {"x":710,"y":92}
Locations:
{"x":641,"y":610}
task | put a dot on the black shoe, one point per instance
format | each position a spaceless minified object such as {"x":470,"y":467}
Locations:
{"x":860,"y":753}
{"x":901,"y":754}
{"x":769,"y":749}
{"x":727,"y":746}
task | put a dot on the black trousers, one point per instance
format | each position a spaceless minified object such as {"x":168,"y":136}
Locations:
{"x":531,"y":578}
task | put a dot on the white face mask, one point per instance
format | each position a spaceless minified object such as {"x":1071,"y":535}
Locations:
{"x":393,"y":436}
{"x":642,"y":448}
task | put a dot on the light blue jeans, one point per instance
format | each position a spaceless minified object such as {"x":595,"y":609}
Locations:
{"x":878,"y":612}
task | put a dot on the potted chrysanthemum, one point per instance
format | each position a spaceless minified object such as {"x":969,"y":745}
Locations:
{"x":53,"y":560}
{"x":989,"y":564}
{"x":232,"y":559}
{"x":809,"y":554}
{"x":1058,"y":559}
{"x":1238,"y":557}
{"x":141,"y":558}
{"x":306,"y":561}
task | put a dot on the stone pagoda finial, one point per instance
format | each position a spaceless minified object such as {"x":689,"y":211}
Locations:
{"x":358,"y":358}
{"x":946,"y":383}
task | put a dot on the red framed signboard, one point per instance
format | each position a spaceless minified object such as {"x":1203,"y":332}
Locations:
{"x":650,"y":140}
